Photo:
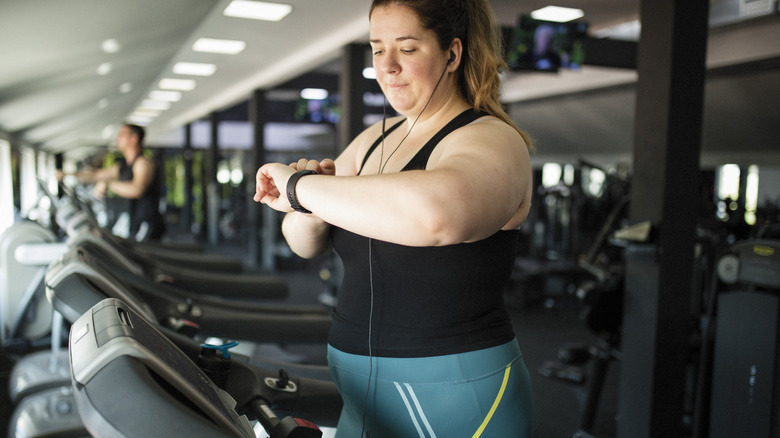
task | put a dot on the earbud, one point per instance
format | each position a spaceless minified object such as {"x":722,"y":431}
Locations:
{"x":452,"y":57}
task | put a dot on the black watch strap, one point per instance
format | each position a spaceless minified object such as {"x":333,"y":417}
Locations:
{"x":291,"y":183}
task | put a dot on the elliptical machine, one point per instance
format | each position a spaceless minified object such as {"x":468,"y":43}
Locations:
{"x":600,"y":291}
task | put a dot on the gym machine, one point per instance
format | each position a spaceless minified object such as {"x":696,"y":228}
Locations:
{"x":738,"y":391}
{"x":121,"y":364}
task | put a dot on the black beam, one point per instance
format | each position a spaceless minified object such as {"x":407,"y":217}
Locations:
{"x":211,"y":185}
{"x":657,"y":327}
{"x":258,"y":116}
{"x":189,"y":180}
{"x":352,"y":86}
{"x":326,"y":81}
{"x":607,"y":52}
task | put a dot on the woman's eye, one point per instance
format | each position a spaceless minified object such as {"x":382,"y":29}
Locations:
{"x":407,"y":51}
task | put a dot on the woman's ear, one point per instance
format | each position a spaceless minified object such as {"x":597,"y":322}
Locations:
{"x":456,"y":49}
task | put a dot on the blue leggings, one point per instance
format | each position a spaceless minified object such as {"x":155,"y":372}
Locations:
{"x":484,"y":393}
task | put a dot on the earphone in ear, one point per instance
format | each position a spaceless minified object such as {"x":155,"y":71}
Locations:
{"x":452,"y":57}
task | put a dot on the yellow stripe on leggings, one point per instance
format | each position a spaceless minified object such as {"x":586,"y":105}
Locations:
{"x":495,"y":403}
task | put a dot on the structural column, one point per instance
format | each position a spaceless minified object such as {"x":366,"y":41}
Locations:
{"x":352,"y":86}
{"x":657,"y":326}
{"x":258,"y":117}
{"x":212,"y":204}
{"x":187,"y":153}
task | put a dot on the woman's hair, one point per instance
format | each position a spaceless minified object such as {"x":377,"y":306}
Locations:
{"x":472,"y":22}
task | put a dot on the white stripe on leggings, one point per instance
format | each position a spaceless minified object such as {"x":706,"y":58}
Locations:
{"x":419,"y":410}
{"x":418,"y":407}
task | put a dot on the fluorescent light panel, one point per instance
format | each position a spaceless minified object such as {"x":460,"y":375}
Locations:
{"x":146,"y":112}
{"x":257,"y":10}
{"x":557,"y":13}
{"x":314,"y":93}
{"x":194,"y":68}
{"x":176,"y":84}
{"x":167,"y":96}
{"x":139,"y":119}
{"x":215,"y":45}
{"x":155,"y":104}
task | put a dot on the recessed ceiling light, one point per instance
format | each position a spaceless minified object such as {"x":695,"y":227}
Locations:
{"x":168,"y":96}
{"x":194,"y":68}
{"x":257,"y":10}
{"x":108,"y":132}
{"x":104,"y":68}
{"x":102,"y":103}
{"x":557,"y":13}
{"x":176,"y":84}
{"x":110,"y":46}
{"x":126,"y":87}
{"x":214,"y":45}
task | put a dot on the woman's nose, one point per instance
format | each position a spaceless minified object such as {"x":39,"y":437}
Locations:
{"x":387,"y":64}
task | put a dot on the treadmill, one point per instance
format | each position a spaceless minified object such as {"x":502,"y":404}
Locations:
{"x":120,"y":363}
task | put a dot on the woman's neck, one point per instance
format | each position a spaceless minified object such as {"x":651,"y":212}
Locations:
{"x":434,"y":116}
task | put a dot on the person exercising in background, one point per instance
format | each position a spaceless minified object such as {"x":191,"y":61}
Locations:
{"x":134,"y":178}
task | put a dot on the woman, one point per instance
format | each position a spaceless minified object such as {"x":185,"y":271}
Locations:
{"x":424,"y":211}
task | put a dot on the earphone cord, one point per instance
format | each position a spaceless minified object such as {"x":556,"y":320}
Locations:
{"x":370,"y":264}
{"x":370,"y":324}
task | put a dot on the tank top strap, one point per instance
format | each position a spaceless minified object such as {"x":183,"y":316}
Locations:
{"x":420,"y":160}
{"x":377,"y":143}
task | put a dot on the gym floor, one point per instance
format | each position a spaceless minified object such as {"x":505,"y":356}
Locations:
{"x":541,"y":328}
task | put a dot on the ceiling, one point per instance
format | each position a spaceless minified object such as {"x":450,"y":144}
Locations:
{"x":52,"y":96}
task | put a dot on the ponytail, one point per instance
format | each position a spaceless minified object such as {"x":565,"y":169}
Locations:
{"x":483,"y":62}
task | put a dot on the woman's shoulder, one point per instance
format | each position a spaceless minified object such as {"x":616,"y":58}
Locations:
{"x":488,"y":128}
{"x":486,"y":138}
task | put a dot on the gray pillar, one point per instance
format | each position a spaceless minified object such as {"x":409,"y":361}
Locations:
{"x":657,"y":325}
{"x":257,"y":118}
{"x":352,"y":86}
{"x":211,"y":184}
{"x":187,"y":154}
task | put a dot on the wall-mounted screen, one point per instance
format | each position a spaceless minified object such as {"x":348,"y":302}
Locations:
{"x":545,"y":45}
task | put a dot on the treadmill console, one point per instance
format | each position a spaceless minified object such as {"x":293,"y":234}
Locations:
{"x":130,"y":380}
{"x":755,"y":262}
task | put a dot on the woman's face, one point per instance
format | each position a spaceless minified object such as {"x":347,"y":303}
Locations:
{"x":407,"y":58}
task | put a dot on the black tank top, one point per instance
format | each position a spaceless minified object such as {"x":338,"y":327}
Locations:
{"x":427,"y":301}
{"x":144,"y":209}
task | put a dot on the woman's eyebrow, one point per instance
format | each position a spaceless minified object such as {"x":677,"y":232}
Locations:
{"x":401,"y":38}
